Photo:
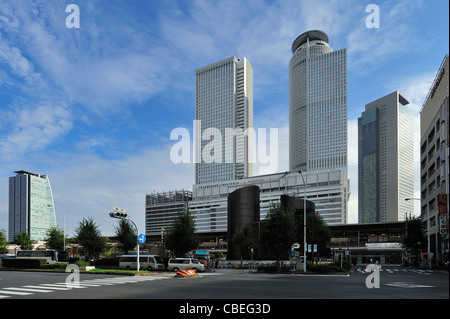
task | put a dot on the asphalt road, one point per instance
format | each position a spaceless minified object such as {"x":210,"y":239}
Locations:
{"x":394,"y":283}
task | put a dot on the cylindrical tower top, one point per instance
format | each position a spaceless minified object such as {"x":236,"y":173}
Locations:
{"x":311,"y":35}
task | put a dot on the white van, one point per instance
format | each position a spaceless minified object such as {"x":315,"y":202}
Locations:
{"x":148,"y":262}
{"x":176,"y":264}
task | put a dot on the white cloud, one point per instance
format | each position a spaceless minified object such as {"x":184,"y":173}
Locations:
{"x":18,"y":64}
{"x":276,"y":117}
{"x":34,"y":128}
{"x":91,"y":66}
{"x":7,"y":17}
{"x":369,"y":49}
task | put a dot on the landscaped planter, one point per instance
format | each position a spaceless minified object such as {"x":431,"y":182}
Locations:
{"x":87,"y":268}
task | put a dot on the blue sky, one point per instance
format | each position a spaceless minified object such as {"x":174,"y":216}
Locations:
{"x":93,"y":107}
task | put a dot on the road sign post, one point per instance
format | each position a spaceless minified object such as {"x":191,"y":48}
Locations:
{"x":341,"y":253}
{"x":142,"y":238}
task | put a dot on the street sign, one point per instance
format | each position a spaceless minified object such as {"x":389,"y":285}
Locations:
{"x":142,"y":238}
{"x":340,"y":250}
{"x":119,"y":209}
{"x":295,"y":246}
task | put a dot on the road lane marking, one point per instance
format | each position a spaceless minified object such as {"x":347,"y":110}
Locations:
{"x":68,"y":286}
{"x":43,"y":286}
{"x":15,"y":292}
{"x":31,"y":289}
{"x":408,"y":285}
{"x":27,"y":289}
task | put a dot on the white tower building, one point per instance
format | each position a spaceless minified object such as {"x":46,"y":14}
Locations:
{"x":224,"y":115}
{"x":317,"y":104}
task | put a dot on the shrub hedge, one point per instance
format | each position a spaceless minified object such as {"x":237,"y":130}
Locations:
{"x":54,"y":266}
{"x":112,"y":261}
{"x":22,"y":263}
{"x":318,"y":268}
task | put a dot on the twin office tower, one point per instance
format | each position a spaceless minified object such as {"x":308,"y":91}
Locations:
{"x":317,"y":141}
{"x":317,"y":129}
{"x":317,"y":109}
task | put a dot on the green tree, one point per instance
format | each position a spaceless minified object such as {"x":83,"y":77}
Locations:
{"x":23,"y":240}
{"x":244,"y":238}
{"x":181,"y":236}
{"x":414,"y":237}
{"x":126,"y":235}
{"x":279,"y":231}
{"x":90,"y":238}
{"x":317,"y":233}
{"x":55,"y":238}
{"x":3,"y":243}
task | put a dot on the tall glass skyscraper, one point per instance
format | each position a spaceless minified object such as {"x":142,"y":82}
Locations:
{"x":317,"y":104}
{"x":385,"y":160}
{"x":224,"y":113}
{"x":318,"y":122}
{"x":31,"y":207}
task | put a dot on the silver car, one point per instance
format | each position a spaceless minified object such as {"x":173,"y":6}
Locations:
{"x":176,"y":264}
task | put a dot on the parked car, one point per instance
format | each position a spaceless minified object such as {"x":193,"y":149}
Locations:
{"x":176,"y":264}
{"x":148,"y":262}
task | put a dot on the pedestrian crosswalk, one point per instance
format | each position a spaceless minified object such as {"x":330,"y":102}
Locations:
{"x":27,"y":290}
{"x":397,"y":270}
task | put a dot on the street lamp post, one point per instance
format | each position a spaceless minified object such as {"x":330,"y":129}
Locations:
{"x":304,"y":221}
{"x":120,"y":215}
{"x":428,"y":232}
{"x":162,"y":242}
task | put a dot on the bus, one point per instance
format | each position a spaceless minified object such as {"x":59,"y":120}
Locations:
{"x":149,"y":262}
{"x":51,"y":256}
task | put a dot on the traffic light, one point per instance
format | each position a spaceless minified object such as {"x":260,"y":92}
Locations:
{"x":117,"y":215}
{"x":251,"y":250}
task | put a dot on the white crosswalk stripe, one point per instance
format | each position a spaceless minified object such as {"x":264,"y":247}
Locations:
{"x":394,"y":270}
{"x":61,"y":286}
{"x":14,"y":293}
{"x":27,"y":289}
{"x":408,"y":285}
{"x":52,"y":286}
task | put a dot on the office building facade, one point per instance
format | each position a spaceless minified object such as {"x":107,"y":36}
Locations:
{"x":385,"y":160}
{"x":317,"y":104}
{"x":208,"y":203}
{"x":434,"y":162}
{"x":328,"y":190}
{"x":31,"y":207}
{"x":162,"y":208}
{"x":224,"y":117}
